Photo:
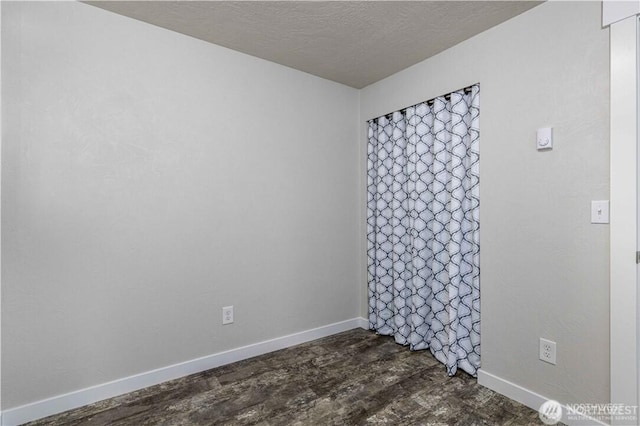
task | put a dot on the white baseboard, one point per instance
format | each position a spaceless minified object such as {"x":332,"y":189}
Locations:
{"x":69,"y":401}
{"x":528,"y":397}
{"x":363,"y":323}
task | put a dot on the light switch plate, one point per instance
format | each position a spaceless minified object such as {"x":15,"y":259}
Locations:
{"x":600,"y":211}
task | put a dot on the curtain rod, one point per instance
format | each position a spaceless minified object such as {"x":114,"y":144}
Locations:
{"x":448,"y":95}
{"x":430,"y":102}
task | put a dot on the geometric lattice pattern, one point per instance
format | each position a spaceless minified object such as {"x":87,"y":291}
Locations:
{"x":423,"y":228}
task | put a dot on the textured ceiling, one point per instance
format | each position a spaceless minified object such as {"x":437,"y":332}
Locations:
{"x":351,"y":42}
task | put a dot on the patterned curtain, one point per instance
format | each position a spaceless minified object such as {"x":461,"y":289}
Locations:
{"x":423,"y":228}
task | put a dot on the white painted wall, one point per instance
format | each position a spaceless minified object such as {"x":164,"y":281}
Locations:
{"x":544,"y":266}
{"x":140,"y":194}
{"x":149,"y":179}
{"x":616,"y":10}
{"x":1,"y":133}
{"x":624,"y":217}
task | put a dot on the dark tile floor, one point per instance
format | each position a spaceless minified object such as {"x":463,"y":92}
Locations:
{"x":351,"y":378}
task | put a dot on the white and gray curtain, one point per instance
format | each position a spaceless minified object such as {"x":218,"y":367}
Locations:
{"x":423,"y":228}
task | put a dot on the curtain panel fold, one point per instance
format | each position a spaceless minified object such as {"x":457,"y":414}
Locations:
{"x":423,"y":228}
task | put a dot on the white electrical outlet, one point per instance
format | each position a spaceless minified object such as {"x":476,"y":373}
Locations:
{"x":227,"y":315}
{"x":548,"y":351}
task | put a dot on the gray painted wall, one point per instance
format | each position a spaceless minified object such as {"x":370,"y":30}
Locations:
{"x":149,"y":179}
{"x":544,"y":266}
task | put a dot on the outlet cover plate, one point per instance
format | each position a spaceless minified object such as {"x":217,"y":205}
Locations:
{"x":227,"y":315}
{"x":548,"y":351}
